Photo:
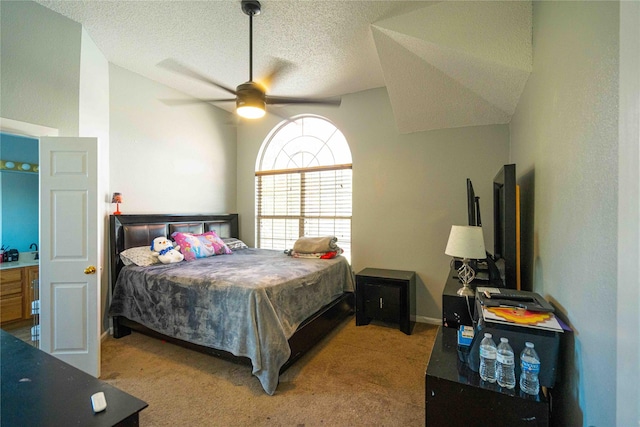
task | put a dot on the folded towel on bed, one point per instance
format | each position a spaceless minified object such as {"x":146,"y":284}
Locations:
{"x":310,"y":245}
{"x":318,"y":255}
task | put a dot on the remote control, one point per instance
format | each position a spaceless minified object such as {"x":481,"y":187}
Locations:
{"x":98,"y":402}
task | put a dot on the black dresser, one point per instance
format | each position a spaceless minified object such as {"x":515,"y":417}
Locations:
{"x":456,"y":396}
{"x":40,"y":390}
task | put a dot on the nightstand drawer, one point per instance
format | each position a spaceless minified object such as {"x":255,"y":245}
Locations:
{"x":382,"y":302}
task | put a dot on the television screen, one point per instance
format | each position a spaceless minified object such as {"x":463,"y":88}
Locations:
{"x":506,"y":225}
{"x":471,"y":203}
{"x":473,"y":206}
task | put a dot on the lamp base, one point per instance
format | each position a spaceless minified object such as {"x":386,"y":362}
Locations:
{"x":466,"y":276}
{"x":466,"y":291}
{"x":117,"y":212}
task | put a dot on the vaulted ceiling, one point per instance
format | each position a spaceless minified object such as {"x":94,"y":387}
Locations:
{"x":444,"y":64}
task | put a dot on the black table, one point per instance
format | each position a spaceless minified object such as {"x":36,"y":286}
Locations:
{"x":456,"y":396}
{"x":41,"y":390}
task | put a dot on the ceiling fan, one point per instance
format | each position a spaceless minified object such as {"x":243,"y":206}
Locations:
{"x":250,"y":97}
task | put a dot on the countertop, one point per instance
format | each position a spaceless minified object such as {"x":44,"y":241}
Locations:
{"x":25,"y":260}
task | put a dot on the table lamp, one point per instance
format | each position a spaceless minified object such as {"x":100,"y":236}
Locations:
{"x":117,"y":199}
{"x":466,"y":242}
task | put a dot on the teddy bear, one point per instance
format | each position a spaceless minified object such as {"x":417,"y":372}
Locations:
{"x":164,"y":250}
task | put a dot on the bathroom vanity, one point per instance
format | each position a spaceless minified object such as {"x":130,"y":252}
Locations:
{"x":16,"y":290}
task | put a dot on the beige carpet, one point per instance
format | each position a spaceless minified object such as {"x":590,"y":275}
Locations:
{"x":357,"y":376}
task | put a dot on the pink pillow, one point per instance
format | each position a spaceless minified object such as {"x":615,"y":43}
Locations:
{"x":202,"y":245}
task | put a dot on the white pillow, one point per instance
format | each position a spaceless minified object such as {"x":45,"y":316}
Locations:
{"x":234,"y":244}
{"x":140,"y":256}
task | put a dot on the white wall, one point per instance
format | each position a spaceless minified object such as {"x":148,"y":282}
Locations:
{"x":39,"y":67}
{"x":168,"y":159}
{"x":564,"y":139}
{"x":94,"y":122}
{"x":628,"y":305}
{"x":407,"y":189}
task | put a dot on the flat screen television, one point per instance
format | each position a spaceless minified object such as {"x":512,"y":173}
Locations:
{"x":506,"y":225}
{"x":473,"y":206}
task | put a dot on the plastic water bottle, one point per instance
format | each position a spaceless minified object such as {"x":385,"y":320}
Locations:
{"x":488,"y":353}
{"x":505,"y":368}
{"x":529,"y":368}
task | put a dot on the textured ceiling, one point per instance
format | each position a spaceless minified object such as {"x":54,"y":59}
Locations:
{"x":445,"y":64}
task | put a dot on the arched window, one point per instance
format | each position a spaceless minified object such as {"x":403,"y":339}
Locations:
{"x":303,"y":184}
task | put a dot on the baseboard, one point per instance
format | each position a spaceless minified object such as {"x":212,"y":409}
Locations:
{"x":425,"y":319}
{"x":105,"y":334}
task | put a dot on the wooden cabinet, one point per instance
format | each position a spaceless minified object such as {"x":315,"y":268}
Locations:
{"x":16,"y":293}
{"x":11,"y":282}
{"x":386,"y":295}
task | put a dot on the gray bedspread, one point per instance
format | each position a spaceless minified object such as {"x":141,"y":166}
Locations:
{"x":248,"y":303}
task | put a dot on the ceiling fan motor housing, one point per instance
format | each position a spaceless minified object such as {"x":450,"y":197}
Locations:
{"x":250,"y":97}
{"x":250,"y":94}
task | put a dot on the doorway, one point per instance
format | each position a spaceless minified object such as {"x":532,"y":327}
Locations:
{"x":20,"y":226}
{"x":19,"y":229}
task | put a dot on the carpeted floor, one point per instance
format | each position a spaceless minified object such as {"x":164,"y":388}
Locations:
{"x":357,"y":376}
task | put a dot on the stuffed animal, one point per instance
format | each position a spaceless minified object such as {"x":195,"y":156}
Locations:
{"x":164,"y":250}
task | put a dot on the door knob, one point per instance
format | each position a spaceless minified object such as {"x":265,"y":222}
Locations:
{"x":90,"y":270}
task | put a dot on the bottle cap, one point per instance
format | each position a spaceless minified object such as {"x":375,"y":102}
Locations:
{"x":503,"y":339}
{"x":528,"y":344}
{"x":487,"y":335}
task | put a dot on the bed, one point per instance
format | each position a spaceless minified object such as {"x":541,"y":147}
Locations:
{"x":254,"y":306}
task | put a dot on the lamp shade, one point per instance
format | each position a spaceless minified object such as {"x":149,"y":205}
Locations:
{"x":466,"y":242}
{"x":116,"y":198}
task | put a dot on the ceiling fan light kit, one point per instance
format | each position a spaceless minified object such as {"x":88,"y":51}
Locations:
{"x":250,"y":97}
{"x":250,"y":102}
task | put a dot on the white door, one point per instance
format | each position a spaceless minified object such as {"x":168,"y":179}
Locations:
{"x":69,"y":280}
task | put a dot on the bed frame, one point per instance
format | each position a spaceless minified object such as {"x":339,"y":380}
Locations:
{"x":128,"y":231}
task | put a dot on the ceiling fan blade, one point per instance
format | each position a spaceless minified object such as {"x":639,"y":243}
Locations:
{"x":195,"y":101}
{"x":277,"y":69}
{"x":271,"y":100}
{"x":175,"y":66}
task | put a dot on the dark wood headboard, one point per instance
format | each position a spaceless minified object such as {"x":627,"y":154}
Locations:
{"x":128,"y":231}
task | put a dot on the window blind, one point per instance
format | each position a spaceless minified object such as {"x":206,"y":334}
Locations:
{"x":304,"y":202}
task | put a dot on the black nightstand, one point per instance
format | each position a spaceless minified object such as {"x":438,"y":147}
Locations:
{"x":386,"y":295}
